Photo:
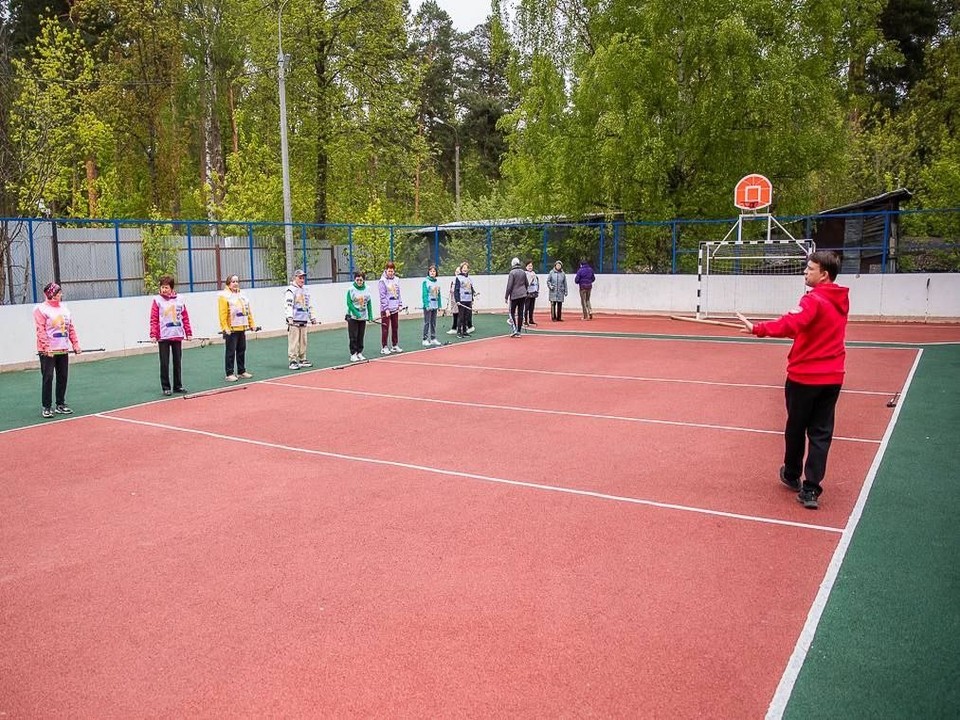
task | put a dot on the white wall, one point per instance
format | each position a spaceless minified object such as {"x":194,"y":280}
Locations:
{"x":118,"y":324}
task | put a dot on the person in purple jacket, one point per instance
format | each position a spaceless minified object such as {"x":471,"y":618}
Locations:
{"x":390,"y":306}
{"x":585,"y":279}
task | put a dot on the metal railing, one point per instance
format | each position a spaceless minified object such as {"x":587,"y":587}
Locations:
{"x":120,"y":258}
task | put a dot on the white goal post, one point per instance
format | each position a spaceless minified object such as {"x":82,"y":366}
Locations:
{"x":731,"y":273}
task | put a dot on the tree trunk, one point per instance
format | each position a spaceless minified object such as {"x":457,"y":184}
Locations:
{"x":93,"y":209}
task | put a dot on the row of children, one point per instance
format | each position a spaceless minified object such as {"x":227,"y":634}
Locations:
{"x":170,"y":326}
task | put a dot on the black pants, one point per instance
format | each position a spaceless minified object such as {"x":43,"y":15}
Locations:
{"x":464,"y":317}
{"x":166,"y":349}
{"x":556,"y":310}
{"x":518,"y":308}
{"x":531,"y":303}
{"x":60,"y":364}
{"x":355,"y":331}
{"x":236,"y":350}
{"x":810,"y":417}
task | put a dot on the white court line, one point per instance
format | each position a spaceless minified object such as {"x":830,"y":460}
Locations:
{"x":474,"y":476}
{"x":790,"y":674}
{"x":542,"y":411}
{"x":638,"y":378}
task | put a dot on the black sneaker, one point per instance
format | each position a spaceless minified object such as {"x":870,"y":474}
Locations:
{"x":180,"y":390}
{"x":792,"y":484}
{"x":64,"y":410}
{"x":808,"y":498}
{"x":46,"y":412}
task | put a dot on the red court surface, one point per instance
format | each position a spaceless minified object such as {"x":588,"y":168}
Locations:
{"x":445,"y":533}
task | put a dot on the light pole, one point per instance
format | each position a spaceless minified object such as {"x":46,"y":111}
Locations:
{"x":284,"y":149}
{"x":456,"y":160}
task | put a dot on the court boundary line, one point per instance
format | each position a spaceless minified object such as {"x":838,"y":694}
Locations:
{"x":638,"y":378}
{"x":475,"y":476}
{"x":784,"y":691}
{"x":546,"y":411}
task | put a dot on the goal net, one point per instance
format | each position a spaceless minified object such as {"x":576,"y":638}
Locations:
{"x":750,"y":276}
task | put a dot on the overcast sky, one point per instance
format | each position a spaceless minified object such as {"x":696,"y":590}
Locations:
{"x":466,"y":14}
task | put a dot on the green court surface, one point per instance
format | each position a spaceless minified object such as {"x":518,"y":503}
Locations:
{"x":888,"y":642}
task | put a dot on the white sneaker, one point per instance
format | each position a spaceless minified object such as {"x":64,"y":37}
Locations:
{"x":231,"y":378}
{"x":385,"y":351}
{"x":294,"y":366}
{"x":396,"y":349}
{"x":470,"y":330}
{"x":452,"y":331}
{"x":304,"y":363}
{"x":355,"y":357}
{"x":426,"y":343}
{"x":361,"y":356}
{"x":436,"y":342}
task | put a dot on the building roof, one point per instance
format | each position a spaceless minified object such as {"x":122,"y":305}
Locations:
{"x":894,"y":196}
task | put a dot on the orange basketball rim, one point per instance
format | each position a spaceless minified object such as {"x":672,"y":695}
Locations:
{"x":753,"y":192}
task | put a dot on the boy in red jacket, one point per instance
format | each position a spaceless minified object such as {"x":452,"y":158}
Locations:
{"x":815,"y":368}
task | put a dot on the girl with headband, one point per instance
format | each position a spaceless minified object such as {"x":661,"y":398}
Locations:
{"x":55,"y":337}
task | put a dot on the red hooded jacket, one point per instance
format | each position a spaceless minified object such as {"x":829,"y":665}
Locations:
{"x":818,"y":327}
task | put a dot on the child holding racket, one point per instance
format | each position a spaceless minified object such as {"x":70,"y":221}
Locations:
{"x":55,"y":337}
{"x":359,"y":312}
{"x":235,"y":319}
{"x":169,"y":327}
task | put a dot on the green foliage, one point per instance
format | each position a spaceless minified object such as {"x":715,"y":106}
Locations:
{"x":160,"y":250}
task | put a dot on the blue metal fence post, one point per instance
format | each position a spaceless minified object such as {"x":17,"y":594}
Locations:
{"x":616,"y":244}
{"x":886,"y":241}
{"x":253,"y":270}
{"x":673,"y":246}
{"x":436,"y":248}
{"x":391,"y":243}
{"x":489,"y":248}
{"x":116,"y":240}
{"x":190,"y":254}
{"x":602,"y":226}
{"x":350,"y":247}
{"x":33,"y":262}
{"x":543,"y":255}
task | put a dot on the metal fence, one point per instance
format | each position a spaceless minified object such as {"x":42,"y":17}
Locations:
{"x":119,"y":258}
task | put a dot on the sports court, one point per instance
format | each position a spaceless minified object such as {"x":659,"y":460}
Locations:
{"x":584,"y":523}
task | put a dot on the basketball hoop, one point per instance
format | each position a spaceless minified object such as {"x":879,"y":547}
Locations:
{"x":753,"y":192}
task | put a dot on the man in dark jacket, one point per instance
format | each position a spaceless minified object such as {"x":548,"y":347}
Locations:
{"x":815,"y":369}
{"x":585,"y":278}
{"x":516,"y":295}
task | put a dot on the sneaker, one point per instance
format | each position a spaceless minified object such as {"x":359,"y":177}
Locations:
{"x":246,"y":375}
{"x":231,"y":378}
{"x":808,"y":498}
{"x":452,"y":331}
{"x":304,"y":363}
{"x":180,"y":390}
{"x":470,"y":330}
{"x":64,"y":410}
{"x":355,"y":357}
{"x":396,"y":349}
{"x":361,"y":356}
{"x":516,"y":334}
{"x":436,"y":342}
{"x":168,"y":392}
{"x":384,"y":351}
{"x":46,"y":412}
{"x":294,"y":366}
{"x":531,"y":323}
{"x":426,"y":343}
{"x":792,"y":484}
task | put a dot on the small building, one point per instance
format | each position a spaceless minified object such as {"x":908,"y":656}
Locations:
{"x":865,"y":233}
